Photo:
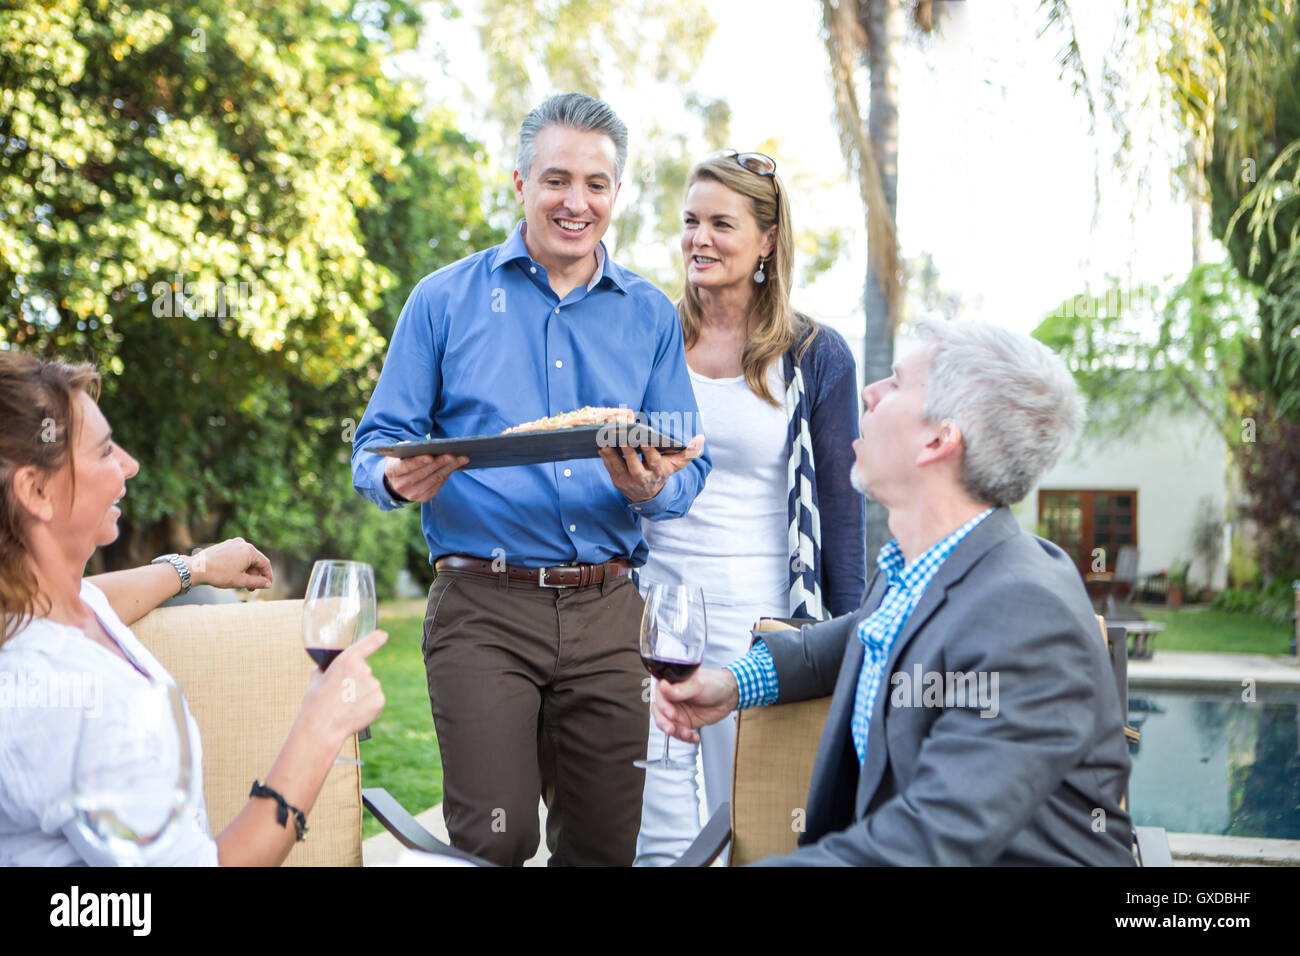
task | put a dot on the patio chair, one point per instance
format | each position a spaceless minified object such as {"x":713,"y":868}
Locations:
{"x":243,"y":670}
{"x":1124,"y":576}
{"x":775,"y":750}
{"x":1126,"y":573}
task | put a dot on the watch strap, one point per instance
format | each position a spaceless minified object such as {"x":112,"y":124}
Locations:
{"x":181,"y":566}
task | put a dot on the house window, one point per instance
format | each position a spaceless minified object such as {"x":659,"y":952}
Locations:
{"x":1082,"y":521}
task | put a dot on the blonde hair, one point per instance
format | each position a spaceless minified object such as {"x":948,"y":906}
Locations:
{"x":779,"y":326}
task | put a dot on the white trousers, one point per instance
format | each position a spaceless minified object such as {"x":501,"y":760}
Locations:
{"x":670,"y":809}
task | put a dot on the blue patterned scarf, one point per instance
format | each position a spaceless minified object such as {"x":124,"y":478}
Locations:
{"x":805,"y":520}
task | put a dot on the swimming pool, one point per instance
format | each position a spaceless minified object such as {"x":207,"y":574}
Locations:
{"x":1209,"y":762}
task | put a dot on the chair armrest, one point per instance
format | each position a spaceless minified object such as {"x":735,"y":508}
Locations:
{"x":712,"y":840}
{"x":1152,"y":846}
{"x":406,"y":828}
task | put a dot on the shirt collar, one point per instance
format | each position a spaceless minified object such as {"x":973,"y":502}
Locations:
{"x":514,"y":249}
{"x":600,"y":266}
{"x":919,"y":572}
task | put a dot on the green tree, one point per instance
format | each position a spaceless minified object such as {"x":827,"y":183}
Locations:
{"x":864,"y":36}
{"x":591,"y":46}
{"x":197,"y":199}
{"x":1227,"y":76}
{"x":655,"y":48}
{"x":1175,"y":350}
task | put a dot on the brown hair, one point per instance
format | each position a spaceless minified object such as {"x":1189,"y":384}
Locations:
{"x":779,"y":326}
{"x":38,"y":412}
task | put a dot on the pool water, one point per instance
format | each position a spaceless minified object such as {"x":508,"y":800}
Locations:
{"x":1212,"y":763}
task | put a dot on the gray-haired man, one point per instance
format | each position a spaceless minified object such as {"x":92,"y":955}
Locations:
{"x":530,"y":639}
{"x":974,"y":717}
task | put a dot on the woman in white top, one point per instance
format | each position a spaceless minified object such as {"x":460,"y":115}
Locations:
{"x":61,"y":476}
{"x":778,"y":401}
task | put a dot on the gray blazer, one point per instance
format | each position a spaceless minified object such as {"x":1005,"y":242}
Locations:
{"x":1038,"y":783}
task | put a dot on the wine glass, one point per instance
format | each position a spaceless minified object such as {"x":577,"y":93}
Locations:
{"x":133,"y":774}
{"x":339,"y":608}
{"x":673,"y":635}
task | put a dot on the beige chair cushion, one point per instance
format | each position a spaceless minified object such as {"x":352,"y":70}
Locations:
{"x":244,"y":670}
{"x":775,"y":750}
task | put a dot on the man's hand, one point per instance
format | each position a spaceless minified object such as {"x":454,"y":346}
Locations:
{"x":704,"y":698}
{"x":231,"y":564}
{"x":419,"y":479}
{"x":641,"y":481}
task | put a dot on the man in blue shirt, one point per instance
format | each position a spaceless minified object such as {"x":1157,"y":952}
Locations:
{"x":530,"y":639}
{"x":974,"y":718}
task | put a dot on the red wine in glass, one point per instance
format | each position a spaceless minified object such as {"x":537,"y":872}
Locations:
{"x":324,"y":656}
{"x":338,"y":609}
{"x":666,"y":668}
{"x":673,"y":635}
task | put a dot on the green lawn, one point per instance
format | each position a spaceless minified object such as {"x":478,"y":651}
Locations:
{"x":402,"y":753}
{"x":1200,"y":629}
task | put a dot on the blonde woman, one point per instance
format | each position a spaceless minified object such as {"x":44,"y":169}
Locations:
{"x":778,"y":401}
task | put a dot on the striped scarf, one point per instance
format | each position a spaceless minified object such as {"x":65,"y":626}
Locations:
{"x":805,"y":521}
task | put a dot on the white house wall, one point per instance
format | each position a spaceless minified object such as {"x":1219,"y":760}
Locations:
{"x":1172,"y":464}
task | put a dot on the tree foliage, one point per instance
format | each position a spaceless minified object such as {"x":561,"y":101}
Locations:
{"x":1228,"y":76}
{"x":223,"y":208}
{"x":589,"y":46}
{"x":861,"y":32}
{"x":1176,"y":350}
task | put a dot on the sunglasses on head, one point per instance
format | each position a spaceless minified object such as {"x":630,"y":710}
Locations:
{"x":755,"y":162}
{"x":759,"y":163}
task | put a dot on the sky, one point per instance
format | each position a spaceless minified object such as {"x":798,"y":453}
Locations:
{"x":996,"y":159}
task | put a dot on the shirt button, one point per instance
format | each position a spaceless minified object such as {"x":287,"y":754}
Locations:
{"x":573,"y":527}
{"x":559,"y":364}
{"x":557,"y":311}
{"x":568,"y":473}
{"x":533,"y":269}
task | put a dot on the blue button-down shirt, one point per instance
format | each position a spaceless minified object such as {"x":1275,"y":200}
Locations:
{"x":905,"y":584}
{"x":485,"y":344}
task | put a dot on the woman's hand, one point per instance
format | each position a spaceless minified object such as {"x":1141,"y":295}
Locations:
{"x":231,"y":564}
{"x":338,"y":703}
{"x":346,"y":697}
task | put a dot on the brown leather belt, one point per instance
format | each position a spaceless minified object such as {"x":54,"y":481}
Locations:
{"x":565,"y":576}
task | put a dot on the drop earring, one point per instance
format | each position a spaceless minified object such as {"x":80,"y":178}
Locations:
{"x":758,"y":276}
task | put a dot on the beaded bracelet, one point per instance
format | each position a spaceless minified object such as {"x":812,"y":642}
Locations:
{"x":283,"y":809}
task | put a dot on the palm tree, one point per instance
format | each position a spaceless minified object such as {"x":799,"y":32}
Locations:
{"x":870,"y":32}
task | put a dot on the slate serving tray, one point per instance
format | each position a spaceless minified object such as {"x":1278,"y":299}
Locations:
{"x":531,"y":448}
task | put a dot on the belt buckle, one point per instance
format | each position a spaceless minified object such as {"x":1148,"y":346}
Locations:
{"x":541,"y":581}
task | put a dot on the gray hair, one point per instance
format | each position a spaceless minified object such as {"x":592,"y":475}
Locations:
{"x":1016,"y":403}
{"x":576,"y":111}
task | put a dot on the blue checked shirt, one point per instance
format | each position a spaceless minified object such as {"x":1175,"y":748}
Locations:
{"x":756,"y":674}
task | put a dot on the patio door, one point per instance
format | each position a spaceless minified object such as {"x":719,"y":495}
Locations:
{"x":1080,"y":521}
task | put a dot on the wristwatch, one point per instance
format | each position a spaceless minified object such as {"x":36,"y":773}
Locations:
{"x":393,"y":494}
{"x":177,"y":562}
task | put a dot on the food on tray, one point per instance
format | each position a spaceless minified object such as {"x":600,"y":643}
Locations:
{"x":587,"y":415}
